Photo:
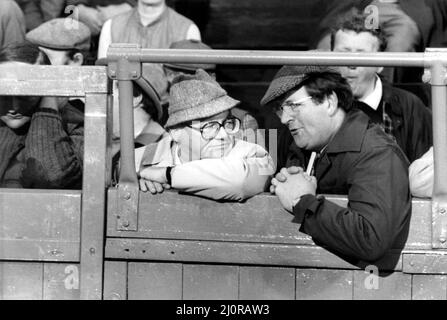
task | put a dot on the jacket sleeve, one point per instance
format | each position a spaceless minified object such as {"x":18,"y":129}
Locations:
{"x":379,"y":208}
{"x":230,"y":178}
{"x":53,"y":156}
{"x":421,"y":129}
{"x":422,"y":176}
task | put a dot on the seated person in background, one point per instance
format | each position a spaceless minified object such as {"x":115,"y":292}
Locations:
{"x":95,"y":12}
{"x":354,"y":157}
{"x":401,"y":114}
{"x":147,"y":112}
{"x":38,"y":11}
{"x":63,"y":42}
{"x":201,"y":156}
{"x":422,"y":172}
{"x":12,"y":23}
{"x":249,"y":125}
{"x":151,"y":24}
{"x":41,"y":139}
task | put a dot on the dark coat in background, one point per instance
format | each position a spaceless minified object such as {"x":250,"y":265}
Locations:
{"x":429,"y":15}
{"x":363,"y":163}
{"x":412,"y":121}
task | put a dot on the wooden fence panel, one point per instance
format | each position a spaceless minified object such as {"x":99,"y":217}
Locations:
{"x":40,"y":225}
{"x":154,"y":281}
{"x":115,"y":280}
{"x":429,"y":287}
{"x":209,"y":282}
{"x":266,"y":283}
{"x":391,"y":286}
{"x":21,"y":281}
{"x":61,"y":281}
{"x":320,"y":284}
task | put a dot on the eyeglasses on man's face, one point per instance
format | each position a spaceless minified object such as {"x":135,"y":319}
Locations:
{"x":291,"y":107}
{"x":210,"y":130}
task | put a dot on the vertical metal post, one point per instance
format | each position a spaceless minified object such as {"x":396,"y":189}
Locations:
{"x":93,"y":197}
{"x":439,"y":203}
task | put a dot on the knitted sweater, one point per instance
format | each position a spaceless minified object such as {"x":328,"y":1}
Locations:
{"x":47,"y":153}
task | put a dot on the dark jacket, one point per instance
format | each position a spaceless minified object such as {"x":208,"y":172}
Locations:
{"x":363,"y":163}
{"x":48,"y":153}
{"x":429,"y":16}
{"x":412,"y":121}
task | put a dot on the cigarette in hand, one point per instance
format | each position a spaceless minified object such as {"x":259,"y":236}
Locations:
{"x":311,"y":163}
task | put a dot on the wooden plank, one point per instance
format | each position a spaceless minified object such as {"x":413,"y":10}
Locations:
{"x":52,"y":80}
{"x":21,"y":281}
{"x":234,"y":253}
{"x":429,"y":287}
{"x":391,"y":286}
{"x":260,"y":219}
{"x":154,"y":281}
{"x":39,"y":225}
{"x":266,"y":283}
{"x":320,"y":284}
{"x":425,"y":262}
{"x":93,"y":200}
{"x":115,"y":280}
{"x":202,"y":282}
{"x":61,"y":281}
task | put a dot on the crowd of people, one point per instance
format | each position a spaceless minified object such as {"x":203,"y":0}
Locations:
{"x":355,"y":132}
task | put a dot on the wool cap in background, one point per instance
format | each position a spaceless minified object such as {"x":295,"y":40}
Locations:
{"x":61,"y":34}
{"x":195,"y":97}
{"x":194,"y":45}
{"x":288,"y":78}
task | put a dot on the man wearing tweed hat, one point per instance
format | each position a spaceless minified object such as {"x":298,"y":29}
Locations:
{"x":201,"y":155}
{"x":354,"y":157}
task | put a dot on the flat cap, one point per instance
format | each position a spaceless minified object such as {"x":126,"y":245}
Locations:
{"x":194,"y":45}
{"x":61,"y":34}
{"x":288,"y":78}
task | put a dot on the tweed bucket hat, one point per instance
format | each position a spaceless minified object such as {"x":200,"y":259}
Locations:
{"x":289,"y":77}
{"x":60,"y":34}
{"x":190,"y":44}
{"x":197,"y":96}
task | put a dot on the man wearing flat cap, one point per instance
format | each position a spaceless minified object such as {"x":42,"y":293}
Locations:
{"x":64,"y":40}
{"x":354,"y":157}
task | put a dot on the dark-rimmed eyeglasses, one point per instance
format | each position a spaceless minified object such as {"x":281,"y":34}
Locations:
{"x":210,"y":130}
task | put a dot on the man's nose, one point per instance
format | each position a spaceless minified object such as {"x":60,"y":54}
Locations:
{"x":221,"y":134}
{"x":285,"y":118}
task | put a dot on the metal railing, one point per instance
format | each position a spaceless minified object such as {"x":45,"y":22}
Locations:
{"x":125,"y":65}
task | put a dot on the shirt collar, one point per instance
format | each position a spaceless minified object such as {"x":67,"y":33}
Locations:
{"x":374,"y":98}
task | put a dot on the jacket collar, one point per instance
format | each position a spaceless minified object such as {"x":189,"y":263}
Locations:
{"x":351,"y":133}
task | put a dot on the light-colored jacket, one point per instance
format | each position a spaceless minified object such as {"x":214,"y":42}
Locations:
{"x":241,"y":174}
{"x":421,"y":174}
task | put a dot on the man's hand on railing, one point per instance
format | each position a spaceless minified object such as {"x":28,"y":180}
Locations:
{"x":153,"y":179}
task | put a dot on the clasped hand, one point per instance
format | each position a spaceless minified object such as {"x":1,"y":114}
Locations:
{"x":291,"y":184}
{"x":153,"y":179}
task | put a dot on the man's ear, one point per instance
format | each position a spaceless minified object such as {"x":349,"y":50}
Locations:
{"x":78,"y":59}
{"x":332,"y":104}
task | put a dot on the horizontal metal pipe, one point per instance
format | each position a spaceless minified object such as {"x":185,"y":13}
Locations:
{"x":386,"y":59}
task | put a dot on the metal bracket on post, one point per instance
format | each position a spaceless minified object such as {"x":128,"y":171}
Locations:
{"x":437,"y":61}
{"x":125,"y":66}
